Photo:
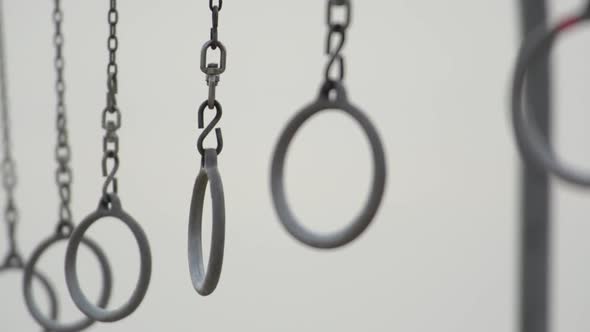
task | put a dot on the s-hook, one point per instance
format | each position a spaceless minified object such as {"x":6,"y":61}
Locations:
{"x":63,"y":178}
{"x":203,"y":281}
{"x":109,"y":205}
{"x":332,"y":96}
{"x":531,"y":142}
{"x":13,"y":261}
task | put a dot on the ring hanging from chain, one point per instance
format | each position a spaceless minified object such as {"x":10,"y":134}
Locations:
{"x":332,"y":96}
{"x":51,"y":323}
{"x":65,"y":225}
{"x":206,"y":282}
{"x":109,"y":203}
{"x":111,"y":210}
{"x":364,"y":218}
{"x":530,"y":141}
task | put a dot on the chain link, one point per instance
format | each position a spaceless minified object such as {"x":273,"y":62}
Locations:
{"x":9,"y":178}
{"x":111,"y":116}
{"x":337,"y":32}
{"x":63,"y":152}
{"x":213,"y":71}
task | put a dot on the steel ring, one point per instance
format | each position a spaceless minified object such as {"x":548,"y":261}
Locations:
{"x":206,"y":282}
{"x":362,"y":221}
{"x":54,"y":306}
{"x":51,"y":323}
{"x":530,"y":141}
{"x":104,"y":315}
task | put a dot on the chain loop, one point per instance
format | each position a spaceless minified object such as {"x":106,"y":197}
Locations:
{"x":337,"y":29}
{"x":63,"y":151}
{"x":111,"y":115}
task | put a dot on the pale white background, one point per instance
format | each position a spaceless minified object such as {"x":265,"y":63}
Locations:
{"x":433,"y":75}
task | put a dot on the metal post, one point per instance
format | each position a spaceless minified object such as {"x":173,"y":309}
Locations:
{"x":535,"y":193}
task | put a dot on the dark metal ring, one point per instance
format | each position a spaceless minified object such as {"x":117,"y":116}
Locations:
{"x":51,"y":323}
{"x":362,"y":221}
{"x":222,"y":58}
{"x":206,"y":282}
{"x":54,"y":306}
{"x":531,"y":142}
{"x":104,"y":211}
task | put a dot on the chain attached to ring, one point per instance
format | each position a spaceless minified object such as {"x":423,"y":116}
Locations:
{"x":111,"y":116}
{"x":9,"y":178}
{"x":63,"y":152}
{"x":337,"y":31}
{"x":213,"y":71}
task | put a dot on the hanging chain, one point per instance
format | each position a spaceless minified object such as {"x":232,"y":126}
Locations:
{"x":9,"y":178}
{"x":111,"y":116}
{"x":63,"y":173}
{"x":213,"y":72}
{"x":337,"y":30}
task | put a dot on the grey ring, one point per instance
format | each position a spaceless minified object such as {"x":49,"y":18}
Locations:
{"x":54,"y":306}
{"x":91,"y":310}
{"x":206,"y":282}
{"x":530,"y":141}
{"x":51,"y":323}
{"x":362,"y":221}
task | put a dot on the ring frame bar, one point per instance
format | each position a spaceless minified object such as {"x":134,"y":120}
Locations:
{"x":51,"y":323}
{"x":365,"y":217}
{"x":100,"y":314}
{"x":530,"y":141}
{"x":54,"y":306}
{"x":203,"y":281}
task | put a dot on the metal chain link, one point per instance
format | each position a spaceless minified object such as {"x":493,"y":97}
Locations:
{"x":111,"y":116}
{"x":9,"y":178}
{"x":213,"y":72}
{"x":337,"y":31}
{"x":63,"y":173}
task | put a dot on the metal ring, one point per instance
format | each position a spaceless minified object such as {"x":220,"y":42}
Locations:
{"x":91,"y":310}
{"x":54,"y":306}
{"x":51,"y":323}
{"x":530,"y":141}
{"x":222,"y":58}
{"x":362,"y":221}
{"x":206,"y":282}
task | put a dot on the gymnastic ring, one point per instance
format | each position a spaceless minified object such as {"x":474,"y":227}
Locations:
{"x":363,"y":220}
{"x":110,"y":207}
{"x":529,"y":139}
{"x":51,"y":323}
{"x":206,"y":282}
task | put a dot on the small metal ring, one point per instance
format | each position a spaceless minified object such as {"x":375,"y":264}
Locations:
{"x":53,"y":305}
{"x":51,"y":323}
{"x":206,"y":282}
{"x":104,"y":211}
{"x":338,"y":3}
{"x":362,"y":221}
{"x":530,"y":141}
{"x":222,"y":58}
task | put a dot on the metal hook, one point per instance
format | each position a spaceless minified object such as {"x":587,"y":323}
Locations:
{"x":110,"y":175}
{"x":210,"y":127}
{"x":335,"y":53}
